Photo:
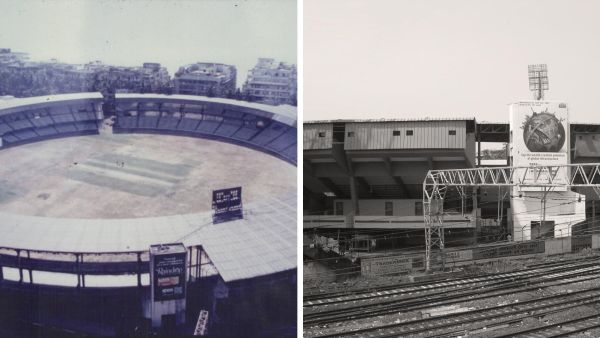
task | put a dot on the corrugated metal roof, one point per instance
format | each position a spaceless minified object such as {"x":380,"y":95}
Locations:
{"x":262,"y":243}
{"x":392,"y":120}
{"x":586,"y":123}
{"x":27,"y":101}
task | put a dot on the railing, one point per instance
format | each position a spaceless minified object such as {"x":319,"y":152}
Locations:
{"x":382,"y":221}
{"x":27,"y":263}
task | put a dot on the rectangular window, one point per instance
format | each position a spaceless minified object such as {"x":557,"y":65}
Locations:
{"x":339,"y":208}
{"x":409,"y":132}
{"x":321,"y":134}
{"x":350,"y":134}
{"x":418,"y":208}
{"x":389,"y":209}
{"x":396,"y":133}
{"x":452,"y":132}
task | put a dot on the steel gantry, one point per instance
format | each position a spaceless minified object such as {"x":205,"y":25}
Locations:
{"x":536,"y":178}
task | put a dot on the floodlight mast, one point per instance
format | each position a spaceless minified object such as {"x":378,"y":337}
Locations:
{"x":538,"y":80}
{"x":437,"y":183}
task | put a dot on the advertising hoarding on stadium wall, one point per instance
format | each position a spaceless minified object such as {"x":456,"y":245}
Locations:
{"x":540,"y":137}
{"x":168,"y":272}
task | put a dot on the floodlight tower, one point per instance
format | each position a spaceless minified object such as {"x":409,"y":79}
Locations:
{"x":538,"y":80}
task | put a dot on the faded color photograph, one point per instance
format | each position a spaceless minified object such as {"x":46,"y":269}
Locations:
{"x":148,"y":168}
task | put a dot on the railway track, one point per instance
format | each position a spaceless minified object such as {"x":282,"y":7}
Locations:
{"x":357,"y":309}
{"x":488,"y":318}
{"x":561,"y":329}
{"x":317,"y":299}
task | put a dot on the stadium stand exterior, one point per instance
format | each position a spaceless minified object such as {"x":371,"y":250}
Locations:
{"x":108,"y":259}
{"x":364,"y":176}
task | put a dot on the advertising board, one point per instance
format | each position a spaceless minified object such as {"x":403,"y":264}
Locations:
{"x":378,"y":266}
{"x":540,"y":137}
{"x":227,"y":205}
{"x":513,"y":249}
{"x":169,"y":276}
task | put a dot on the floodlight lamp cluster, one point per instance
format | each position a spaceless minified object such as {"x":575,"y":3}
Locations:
{"x":538,"y":80}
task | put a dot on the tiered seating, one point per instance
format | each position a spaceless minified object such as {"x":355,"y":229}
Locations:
{"x":127,"y":120}
{"x":248,"y":128}
{"x":4,"y":128}
{"x":284,"y":141}
{"x":85,"y":116}
{"x":188,"y":124}
{"x":46,"y":131}
{"x":148,"y":120}
{"x":168,"y":122}
{"x":63,"y":118}
{"x":42,"y":121}
{"x":290,"y":153}
{"x":269,"y":134}
{"x":24,"y":134}
{"x":246,"y":132}
{"x":87,"y":125}
{"x":228,"y":127}
{"x":209,"y":124}
{"x":65,"y":127}
{"x":36,"y":124}
{"x":9,"y":139}
{"x":23,"y":123}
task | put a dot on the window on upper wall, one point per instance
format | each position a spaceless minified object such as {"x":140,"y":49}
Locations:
{"x":321,"y":134}
{"x":339,"y":208}
{"x":418,"y":208}
{"x":389,"y":209}
{"x":396,"y":133}
{"x":350,"y":134}
{"x":452,"y":132}
{"x":409,"y":132}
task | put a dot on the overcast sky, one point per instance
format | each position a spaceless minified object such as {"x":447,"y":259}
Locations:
{"x":405,"y":59}
{"x":171,"y":32}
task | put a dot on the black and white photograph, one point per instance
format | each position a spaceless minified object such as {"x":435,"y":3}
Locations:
{"x":148,"y":168}
{"x":451,"y":169}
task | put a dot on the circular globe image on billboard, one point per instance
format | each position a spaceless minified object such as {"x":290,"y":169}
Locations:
{"x":543,"y":132}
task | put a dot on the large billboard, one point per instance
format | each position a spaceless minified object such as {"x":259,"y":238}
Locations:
{"x":540,"y":137}
{"x":169,"y":275}
{"x":227,"y":205}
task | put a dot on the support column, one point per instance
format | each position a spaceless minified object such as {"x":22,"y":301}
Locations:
{"x":82,"y":273}
{"x":139,"y":268}
{"x":475,"y":216}
{"x":478,"y":145}
{"x":354,"y":196}
{"x":190,"y":264}
{"x":29,"y":264}
{"x":78,"y":270}
{"x":593,"y":221}
{"x":19,"y":265}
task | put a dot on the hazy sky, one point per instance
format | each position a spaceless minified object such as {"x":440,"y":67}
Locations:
{"x":171,"y":32}
{"x":405,"y":59}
